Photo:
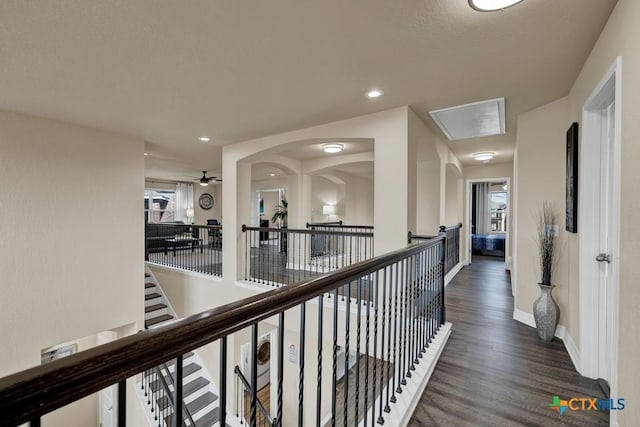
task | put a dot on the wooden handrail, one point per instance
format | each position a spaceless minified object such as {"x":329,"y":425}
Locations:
{"x":34,"y":392}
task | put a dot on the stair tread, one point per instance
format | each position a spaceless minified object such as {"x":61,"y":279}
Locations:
{"x":149,"y":285}
{"x":152,"y":296}
{"x":146,"y":275}
{"x":156,"y":320}
{"x":186,"y":371}
{"x":195,"y":406}
{"x":209,"y":419}
{"x":155,"y":307}
{"x":187,"y":390}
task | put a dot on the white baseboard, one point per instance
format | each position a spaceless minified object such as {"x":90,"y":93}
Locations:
{"x":561,"y":332}
{"x":450,"y":275}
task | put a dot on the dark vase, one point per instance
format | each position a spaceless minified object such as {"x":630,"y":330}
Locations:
{"x":546,"y":313}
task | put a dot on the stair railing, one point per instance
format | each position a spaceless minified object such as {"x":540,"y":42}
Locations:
{"x":264,"y":418}
{"x":394,"y":332}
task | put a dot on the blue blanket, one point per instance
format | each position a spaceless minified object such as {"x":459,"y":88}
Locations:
{"x":488,"y":244}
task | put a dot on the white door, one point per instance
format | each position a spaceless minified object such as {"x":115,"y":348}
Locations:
{"x":599,"y":229}
{"x":606,"y":251}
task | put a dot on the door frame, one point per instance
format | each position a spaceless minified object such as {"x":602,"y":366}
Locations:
{"x":507,"y":247}
{"x":588,"y":222}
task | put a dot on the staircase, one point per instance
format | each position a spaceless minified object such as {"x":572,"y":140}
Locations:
{"x":199,"y":394}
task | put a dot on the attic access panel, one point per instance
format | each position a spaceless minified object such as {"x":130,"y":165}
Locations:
{"x":484,"y":118}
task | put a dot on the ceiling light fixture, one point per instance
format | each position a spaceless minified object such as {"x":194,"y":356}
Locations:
{"x":146,"y":154}
{"x":375,"y":93}
{"x":204,"y":139}
{"x":332,"y":148}
{"x":272,"y":174}
{"x":484,"y":156}
{"x":492,"y":5}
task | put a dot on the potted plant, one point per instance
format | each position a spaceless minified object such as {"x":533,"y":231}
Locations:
{"x":545,"y":310}
{"x":280,"y":215}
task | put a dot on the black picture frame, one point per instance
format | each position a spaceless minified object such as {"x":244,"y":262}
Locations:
{"x":572,"y":179}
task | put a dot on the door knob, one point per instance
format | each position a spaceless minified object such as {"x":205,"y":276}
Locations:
{"x":604,"y":258}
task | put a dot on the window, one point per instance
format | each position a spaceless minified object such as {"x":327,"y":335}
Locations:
{"x":498,"y":211}
{"x":159,"y":205}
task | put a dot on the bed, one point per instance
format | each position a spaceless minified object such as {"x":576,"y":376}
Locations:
{"x":488,"y":244}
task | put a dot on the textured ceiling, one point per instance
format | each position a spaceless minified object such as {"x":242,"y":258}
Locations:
{"x":171,"y":71}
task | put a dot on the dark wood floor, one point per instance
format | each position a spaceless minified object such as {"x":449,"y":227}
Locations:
{"x":494,"y":370}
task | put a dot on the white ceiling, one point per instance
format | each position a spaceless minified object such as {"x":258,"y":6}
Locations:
{"x":171,"y":71}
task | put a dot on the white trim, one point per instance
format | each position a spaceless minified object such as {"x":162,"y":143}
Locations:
{"x":588,"y":242}
{"x":561,"y":332}
{"x":451,"y":274}
{"x":407,"y":401}
{"x":467,"y":236}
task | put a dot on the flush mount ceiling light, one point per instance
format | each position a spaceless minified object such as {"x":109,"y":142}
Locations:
{"x":332,"y":148}
{"x":272,"y":174}
{"x":375,"y":93}
{"x":204,"y":139}
{"x":146,"y":154}
{"x":484,"y":156}
{"x":492,"y":5}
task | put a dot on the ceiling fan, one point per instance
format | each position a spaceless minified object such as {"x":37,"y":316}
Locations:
{"x":205,"y":180}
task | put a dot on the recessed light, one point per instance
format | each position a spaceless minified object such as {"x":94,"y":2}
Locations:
{"x":204,"y":139}
{"x":492,"y":5}
{"x":332,"y":148}
{"x":484,"y":156}
{"x":146,"y":154}
{"x":272,"y":174}
{"x":375,"y":93}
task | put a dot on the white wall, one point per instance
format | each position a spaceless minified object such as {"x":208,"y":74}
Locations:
{"x":359,"y":200}
{"x":326,"y":192}
{"x":72,"y":236}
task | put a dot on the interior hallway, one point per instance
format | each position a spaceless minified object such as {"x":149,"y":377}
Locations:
{"x":494,"y":370}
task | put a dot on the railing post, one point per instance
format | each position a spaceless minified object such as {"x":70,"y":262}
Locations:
{"x":179,"y":402}
{"x":122,"y":403}
{"x":223,"y":381}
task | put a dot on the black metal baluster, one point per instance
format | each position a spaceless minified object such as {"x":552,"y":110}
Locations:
{"x":335,"y":358}
{"x":366,"y":360}
{"x":410,"y":311}
{"x":35,"y":422}
{"x":402,"y":332}
{"x":178,"y":407}
{"x":279,"y":413}
{"x":247,"y":255}
{"x":303,"y":310}
{"x":385,"y":303}
{"x":223,"y":381}
{"x":395,"y":335}
{"x":443,"y":308}
{"x":346,"y":353}
{"x":319,"y":377}
{"x":358,"y":330}
{"x":122,"y":403}
{"x":254,"y":374}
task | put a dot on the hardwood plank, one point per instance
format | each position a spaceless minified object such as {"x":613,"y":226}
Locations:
{"x":494,"y":370}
